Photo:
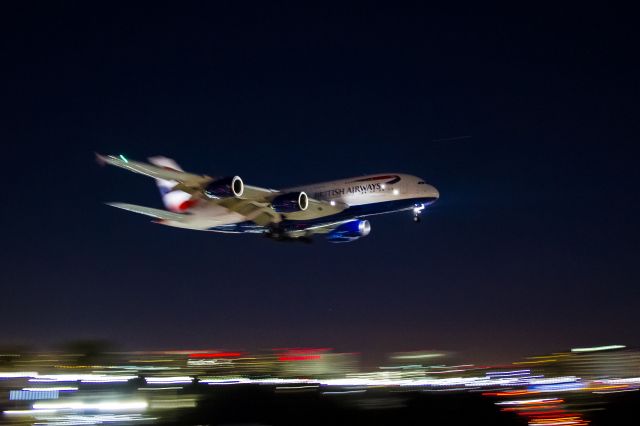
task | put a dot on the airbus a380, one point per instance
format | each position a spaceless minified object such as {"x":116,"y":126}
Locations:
{"x":335,"y":209}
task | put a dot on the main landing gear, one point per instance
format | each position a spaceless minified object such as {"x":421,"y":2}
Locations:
{"x":278,"y":234}
{"x":417,"y":209}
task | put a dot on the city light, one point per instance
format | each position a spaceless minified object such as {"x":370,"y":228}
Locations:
{"x":158,"y":385}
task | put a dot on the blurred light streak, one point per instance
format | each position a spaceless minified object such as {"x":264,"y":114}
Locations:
{"x":55,"y":388}
{"x":554,"y":380}
{"x":531,"y":401}
{"x":559,"y":421}
{"x":513,"y":373}
{"x":600,"y":388}
{"x":598,"y":348}
{"x":225,"y":381}
{"x":616,"y":391}
{"x":344,"y":392}
{"x":11,"y":375}
{"x":621,"y":381}
{"x":558,"y":387}
{"x":541,"y":361}
{"x":168,"y":380}
{"x":101,"y":406}
{"x":509,"y":393}
{"x":26,"y":412}
{"x":544,"y":415}
{"x":538,"y":407}
{"x":165,"y":388}
{"x":215,"y":355}
{"x":418,"y":356}
{"x":298,"y":387}
{"x":90,"y":419}
{"x":285,"y":358}
{"x":89,"y":378}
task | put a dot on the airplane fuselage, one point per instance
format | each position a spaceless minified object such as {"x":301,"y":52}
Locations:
{"x":364,"y":195}
{"x":225,"y":204}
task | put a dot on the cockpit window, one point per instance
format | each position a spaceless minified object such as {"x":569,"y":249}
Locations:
{"x":421,"y":183}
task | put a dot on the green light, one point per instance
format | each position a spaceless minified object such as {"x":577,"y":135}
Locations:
{"x":122,"y":157}
{"x":598,"y":348}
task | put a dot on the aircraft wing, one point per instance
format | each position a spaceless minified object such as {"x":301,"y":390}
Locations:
{"x":254,"y":204}
{"x":187,"y":182}
{"x":155,"y":172}
{"x":148,"y":211}
{"x":258,"y":209}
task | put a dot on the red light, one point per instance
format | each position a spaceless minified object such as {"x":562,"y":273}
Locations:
{"x":298,"y":357}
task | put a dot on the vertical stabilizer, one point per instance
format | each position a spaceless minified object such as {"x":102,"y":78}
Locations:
{"x":174,"y":200}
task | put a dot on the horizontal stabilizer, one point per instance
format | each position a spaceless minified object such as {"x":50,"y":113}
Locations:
{"x":148,"y":211}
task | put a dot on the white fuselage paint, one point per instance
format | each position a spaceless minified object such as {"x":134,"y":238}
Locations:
{"x":357,"y":191}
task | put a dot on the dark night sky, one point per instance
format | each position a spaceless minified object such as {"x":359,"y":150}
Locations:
{"x":533,"y":246}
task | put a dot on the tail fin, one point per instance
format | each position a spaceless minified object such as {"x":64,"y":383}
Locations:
{"x":174,"y":200}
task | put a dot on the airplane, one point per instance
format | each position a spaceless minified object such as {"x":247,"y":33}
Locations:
{"x":335,"y":209}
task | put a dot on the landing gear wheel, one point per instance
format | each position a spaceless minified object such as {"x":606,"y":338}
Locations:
{"x":275,"y":233}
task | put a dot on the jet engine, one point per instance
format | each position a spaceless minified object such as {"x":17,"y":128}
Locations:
{"x":224,"y":188}
{"x":291,"y":202}
{"x":349,"y":231}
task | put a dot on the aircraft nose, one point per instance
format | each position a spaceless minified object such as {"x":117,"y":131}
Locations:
{"x":433,"y":192}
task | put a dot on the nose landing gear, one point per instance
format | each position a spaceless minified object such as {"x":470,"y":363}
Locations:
{"x":417,"y":209}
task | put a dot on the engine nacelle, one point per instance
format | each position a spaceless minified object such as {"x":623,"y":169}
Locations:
{"x":291,"y":202}
{"x":349,"y":231}
{"x":224,"y":188}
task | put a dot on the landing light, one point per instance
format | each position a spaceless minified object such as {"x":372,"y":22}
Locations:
{"x":333,"y":203}
{"x":396,"y":192}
